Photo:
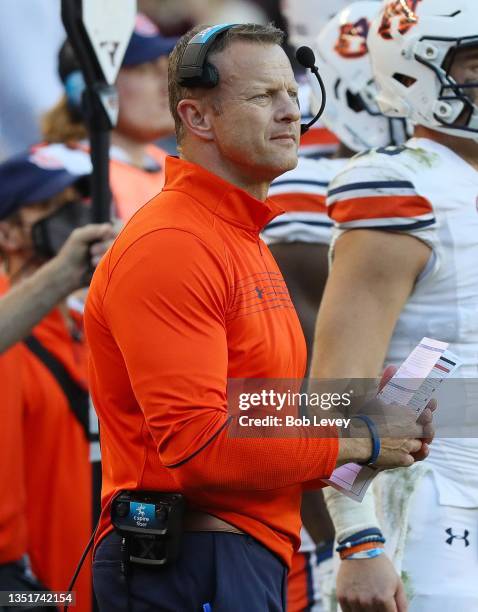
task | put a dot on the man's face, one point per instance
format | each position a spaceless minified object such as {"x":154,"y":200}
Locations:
{"x":256,"y":125}
{"x":143,"y":101}
{"x":464,"y":70}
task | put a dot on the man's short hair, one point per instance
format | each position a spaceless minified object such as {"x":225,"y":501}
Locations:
{"x":251,"y":32}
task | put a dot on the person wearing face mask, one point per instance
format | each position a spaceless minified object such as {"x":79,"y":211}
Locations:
{"x":44,"y":435}
{"x":137,"y":164}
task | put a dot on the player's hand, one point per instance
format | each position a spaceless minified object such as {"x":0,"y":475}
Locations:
{"x":397,"y":449}
{"x":403,"y":439}
{"x":387,"y":374}
{"x":425,"y":420}
{"x":370,"y":585}
{"x":83,"y":251}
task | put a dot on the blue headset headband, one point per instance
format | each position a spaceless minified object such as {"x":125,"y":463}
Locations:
{"x":194,"y":70}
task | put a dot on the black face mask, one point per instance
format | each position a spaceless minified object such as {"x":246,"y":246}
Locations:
{"x":51,"y":233}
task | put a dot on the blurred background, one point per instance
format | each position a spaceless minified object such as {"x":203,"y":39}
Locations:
{"x":31,"y":34}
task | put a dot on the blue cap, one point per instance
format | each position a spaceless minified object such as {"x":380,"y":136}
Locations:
{"x":147,"y":43}
{"x":39,"y":174}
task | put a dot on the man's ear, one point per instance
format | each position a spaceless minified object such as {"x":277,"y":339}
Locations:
{"x":10,"y":238}
{"x":196,"y":116}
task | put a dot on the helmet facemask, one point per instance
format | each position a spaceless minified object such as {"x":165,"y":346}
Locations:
{"x":457,"y":105}
{"x":416,"y":48}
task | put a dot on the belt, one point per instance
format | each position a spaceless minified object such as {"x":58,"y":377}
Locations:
{"x":194,"y":520}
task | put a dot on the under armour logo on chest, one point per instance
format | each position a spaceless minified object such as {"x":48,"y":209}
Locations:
{"x":260,"y":293}
{"x":454,"y":537}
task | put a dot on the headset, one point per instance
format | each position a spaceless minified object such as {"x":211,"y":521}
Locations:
{"x":195,"y":71}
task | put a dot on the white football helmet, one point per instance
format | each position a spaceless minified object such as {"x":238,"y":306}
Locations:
{"x":305,"y":18}
{"x":415,"y":47}
{"x":343,"y":60}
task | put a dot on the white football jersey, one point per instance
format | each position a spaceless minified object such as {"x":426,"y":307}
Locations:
{"x":427,"y":191}
{"x":302,"y":193}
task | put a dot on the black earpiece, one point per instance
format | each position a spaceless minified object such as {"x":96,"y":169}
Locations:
{"x":194,"y":70}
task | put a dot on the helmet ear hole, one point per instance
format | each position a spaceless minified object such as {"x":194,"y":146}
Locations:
{"x":354,"y":102}
{"x":406,"y":81}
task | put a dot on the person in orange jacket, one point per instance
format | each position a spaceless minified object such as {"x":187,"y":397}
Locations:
{"x":188,"y":298}
{"x":45,"y":468}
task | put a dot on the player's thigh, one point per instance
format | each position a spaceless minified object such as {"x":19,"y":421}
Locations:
{"x":440,"y":565}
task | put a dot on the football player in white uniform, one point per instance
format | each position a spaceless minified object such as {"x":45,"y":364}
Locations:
{"x":409,"y":269}
{"x":300,"y":238}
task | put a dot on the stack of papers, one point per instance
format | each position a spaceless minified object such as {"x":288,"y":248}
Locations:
{"x":412,"y":385}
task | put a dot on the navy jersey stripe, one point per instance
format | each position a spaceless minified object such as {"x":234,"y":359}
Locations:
{"x":275,"y":224}
{"x":372,"y":185}
{"x":403,"y":228}
{"x":299,"y":182}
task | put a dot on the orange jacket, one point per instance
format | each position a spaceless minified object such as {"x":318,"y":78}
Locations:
{"x":188,"y":297}
{"x":13,"y":528}
{"x":57,"y":466}
{"x":132,"y":187}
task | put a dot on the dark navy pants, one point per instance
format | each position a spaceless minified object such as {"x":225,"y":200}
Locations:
{"x":230,"y":572}
{"x":16,"y":576}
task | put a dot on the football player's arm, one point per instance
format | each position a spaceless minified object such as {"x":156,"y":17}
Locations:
{"x":372,"y":275}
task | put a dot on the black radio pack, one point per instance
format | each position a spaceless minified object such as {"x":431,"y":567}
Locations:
{"x":151,"y":524}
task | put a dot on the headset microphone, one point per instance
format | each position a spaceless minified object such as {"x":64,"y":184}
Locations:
{"x":305,"y":56}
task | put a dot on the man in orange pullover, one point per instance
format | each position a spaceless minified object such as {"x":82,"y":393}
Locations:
{"x":187,"y":298}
